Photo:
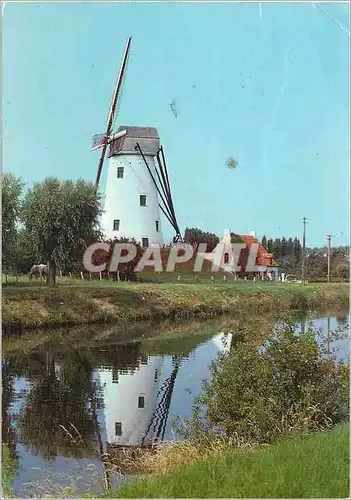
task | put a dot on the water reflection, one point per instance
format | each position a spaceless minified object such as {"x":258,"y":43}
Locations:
{"x":137,"y":402}
{"x":65,"y":409}
{"x":83,"y":404}
{"x":333,"y":333}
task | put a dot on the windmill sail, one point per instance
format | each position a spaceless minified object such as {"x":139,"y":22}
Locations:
{"x":98,"y":141}
{"x":113,"y":109}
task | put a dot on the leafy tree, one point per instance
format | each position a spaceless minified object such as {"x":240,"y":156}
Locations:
{"x":343,"y":270}
{"x":288,"y":264}
{"x":194,"y":236}
{"x":316,"y":263}
{"x":264,"y":242}
{"x":60,"y":217}
{"x":125,"y":269}
{"x":58,"y":416}
{"x":23,"y":256}
{"x":11,"y":188}
{"x":235,"y":238}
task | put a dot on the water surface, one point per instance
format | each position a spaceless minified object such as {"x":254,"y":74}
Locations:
{"x":65,"y":408}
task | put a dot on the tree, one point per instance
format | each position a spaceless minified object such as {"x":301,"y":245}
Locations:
{"x":23,"y":254}
{"x":60,"y":217}
{"x":11,"y":189}
{"x":264,"y":242}
{"x":235,"y":238}
{"x":342,"y":270}
{"x":277,"y":248}
{"x":283,"y":246}
{"x":125,"y":270}
{"x":57,"y":417}
{"x":297,"y":249}
{"x":194,"y":236}
{"x":270,"y":245}
{"x":290,"y":247}
{"x":316,"y":263}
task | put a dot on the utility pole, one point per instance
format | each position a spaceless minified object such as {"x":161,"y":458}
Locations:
{"x":329,"y":237}
{"x":304,"y":221}
{"x":328,"y":336}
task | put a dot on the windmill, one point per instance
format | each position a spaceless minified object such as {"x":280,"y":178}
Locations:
{"x":138,"y":184}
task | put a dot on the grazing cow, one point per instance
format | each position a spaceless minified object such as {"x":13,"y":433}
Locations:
{"x":39,"y":270}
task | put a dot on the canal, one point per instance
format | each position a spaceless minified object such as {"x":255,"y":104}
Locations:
{"x":65,"y":408}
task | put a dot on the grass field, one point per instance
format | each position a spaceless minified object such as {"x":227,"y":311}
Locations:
{"x":312,"y":467}
{"x":76,"y":302}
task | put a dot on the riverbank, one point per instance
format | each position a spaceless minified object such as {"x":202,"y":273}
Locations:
{"x":310,"y":467}
{"x":30,"y":306}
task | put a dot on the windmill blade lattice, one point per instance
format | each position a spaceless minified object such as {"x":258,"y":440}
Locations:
{"x":112,"y":113}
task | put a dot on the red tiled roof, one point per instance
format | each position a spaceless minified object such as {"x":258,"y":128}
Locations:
{"x":263,"y":257}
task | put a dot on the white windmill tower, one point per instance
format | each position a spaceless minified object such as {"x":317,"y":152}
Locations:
{"x":223,"y":342}
{"x":130,"y":401}
{"x":137,"y":179}
{"x":136,"y":404}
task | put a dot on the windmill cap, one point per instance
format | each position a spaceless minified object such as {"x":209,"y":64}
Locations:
{"x":147,"y":138}
{"x":140,"y":132}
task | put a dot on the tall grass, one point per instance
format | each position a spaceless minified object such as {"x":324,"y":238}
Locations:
{"x":316,"y":466}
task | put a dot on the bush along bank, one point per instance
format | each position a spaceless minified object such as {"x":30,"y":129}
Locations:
{"x":260,"y":428}
{"x":25,"y":307}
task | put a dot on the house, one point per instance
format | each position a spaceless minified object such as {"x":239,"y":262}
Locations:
{"x":264,"y":260}
{"x":230,"y":260}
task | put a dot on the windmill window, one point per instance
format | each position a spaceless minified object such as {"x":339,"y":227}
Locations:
{"x":120,"y":172}
{"x":141,"y":402}
{"x":116,"y":225}
{"x":143,"y":200}
{"x":144,"y":360}
{"x":226,"y":258}
{"x":145,"y":242}
{"x":118,"y":428}
{"x":157,"y":226}
{"x":156,"y":375}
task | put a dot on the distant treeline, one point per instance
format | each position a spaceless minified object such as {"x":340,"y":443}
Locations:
{"x":287,"y":252}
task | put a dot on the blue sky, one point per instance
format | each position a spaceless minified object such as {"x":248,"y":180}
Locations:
{"x":265,"y":83}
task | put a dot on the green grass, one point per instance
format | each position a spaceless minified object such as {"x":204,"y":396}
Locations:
{"x":316,"y":466}
{"x":73,"y":302}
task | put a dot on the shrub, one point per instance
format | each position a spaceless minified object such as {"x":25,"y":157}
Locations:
{"x":258,"y":394}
